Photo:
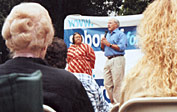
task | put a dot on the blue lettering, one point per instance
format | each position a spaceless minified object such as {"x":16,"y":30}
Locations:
{"x":128,"y":35}
{"x":88,"y":23}
{"x":71,"y":23}
{"x":80,"y":23}
{"x":88,"y":38}
{"x":96,"y":40}
{"x":131,"y":38}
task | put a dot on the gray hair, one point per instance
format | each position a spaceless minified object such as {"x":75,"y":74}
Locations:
{"x":116,"y":21}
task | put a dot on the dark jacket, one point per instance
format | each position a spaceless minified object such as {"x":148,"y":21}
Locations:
{"x":61,"y":89}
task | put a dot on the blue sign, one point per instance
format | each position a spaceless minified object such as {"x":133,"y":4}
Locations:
{"x":101,"y":85}
{"x":92,"y":36}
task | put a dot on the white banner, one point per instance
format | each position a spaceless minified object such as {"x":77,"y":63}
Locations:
{"x":93,"y":29}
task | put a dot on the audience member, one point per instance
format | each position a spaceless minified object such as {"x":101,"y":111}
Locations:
{"x":28,"y":31}
{"x":57,"y":49}
{"x":80,"y":56}
{"x":94,"y":92}
{"x":155,"y":74}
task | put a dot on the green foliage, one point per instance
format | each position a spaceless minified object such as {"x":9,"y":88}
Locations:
{"x":101,"y":7}
{"x":131,"y":7}
{"x":119,"y":7}
{"x":4,"y":9}
{"x":59,"y":9}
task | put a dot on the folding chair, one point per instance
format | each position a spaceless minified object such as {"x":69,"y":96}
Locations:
{"x":150,"y":104}
{"x":21,"y":92}
{"x":48,"y":108}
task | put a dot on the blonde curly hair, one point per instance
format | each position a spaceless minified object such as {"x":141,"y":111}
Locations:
{"x":28,"y":26}
{"x":158,"y":41}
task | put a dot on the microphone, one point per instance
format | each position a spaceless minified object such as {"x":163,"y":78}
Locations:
{"x":105,"y":33}
{"x":102,"y":45}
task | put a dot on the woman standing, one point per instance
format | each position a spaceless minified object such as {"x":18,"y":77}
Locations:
{"x":80,"y":57}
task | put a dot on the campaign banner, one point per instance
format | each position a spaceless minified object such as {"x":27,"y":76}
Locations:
{"x":93,"y":29}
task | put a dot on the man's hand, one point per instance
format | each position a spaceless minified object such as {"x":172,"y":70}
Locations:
{"x":102,"y":43}
{"x":105,"y":42}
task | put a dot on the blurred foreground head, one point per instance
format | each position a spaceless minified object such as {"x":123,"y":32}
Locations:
{"x":158,"y":41}
{"x":28,"y":27}
{"x":157,"y":32}
{"x":155,"y":75}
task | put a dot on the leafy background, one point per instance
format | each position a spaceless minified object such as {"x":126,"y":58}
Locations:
{"x":59,"y":9}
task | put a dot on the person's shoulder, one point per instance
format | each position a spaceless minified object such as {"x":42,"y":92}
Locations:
{"x":71,"y":46}
{"x":83,"y":77}
{"x":86,"y":45}
{"x":61,"y":76}
{"x":3,"y":68}
{"x":60,"y":72}
{"x":87,"y":80}
{"x":119,"y":31}
{"x":132,"y":80}
{"x":2,"y":65}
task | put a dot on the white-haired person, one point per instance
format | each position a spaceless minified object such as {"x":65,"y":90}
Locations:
{"x":155,"y":75}
{"x":28,"y":31}
{"x":56,"y":56}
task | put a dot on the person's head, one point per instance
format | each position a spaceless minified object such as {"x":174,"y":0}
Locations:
{"x":113,"y":24}
{"x":57,"y":53}
{"x":28,"y":28}
{"x":157,"y":31}
{"x":77,"y":38}
{"x":158,"y":41}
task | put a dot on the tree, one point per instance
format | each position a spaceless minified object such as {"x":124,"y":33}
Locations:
{"x":4,"y":10}
{"x":101,"y":7}
{"x":131,"y":7}
{"x":59,"y":9}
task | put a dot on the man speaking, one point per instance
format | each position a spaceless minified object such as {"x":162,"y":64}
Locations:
{"x":114,"y":44}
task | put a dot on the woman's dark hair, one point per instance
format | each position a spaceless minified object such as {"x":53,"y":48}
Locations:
{"x":57,"y":53}
{"x":74,"y":35}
